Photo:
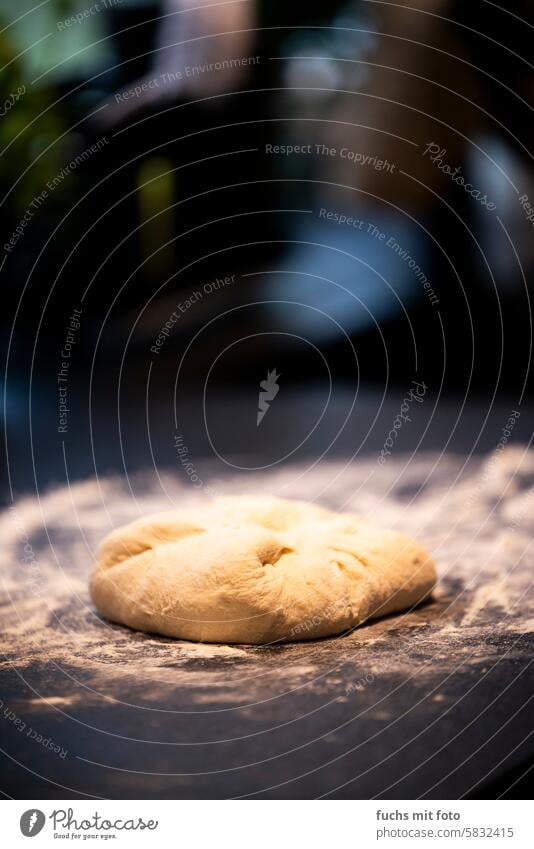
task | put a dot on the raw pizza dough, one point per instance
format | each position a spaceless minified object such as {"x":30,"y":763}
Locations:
{"x":256,"y":570}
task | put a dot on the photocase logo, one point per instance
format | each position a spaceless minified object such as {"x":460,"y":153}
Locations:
{"x":32,"y":822}
{"x":268,"y":392}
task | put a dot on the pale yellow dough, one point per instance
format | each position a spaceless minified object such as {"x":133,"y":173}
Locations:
{"x":256,"y":570}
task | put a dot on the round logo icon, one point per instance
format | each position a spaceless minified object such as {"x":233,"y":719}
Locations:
{"x":32,"y":822}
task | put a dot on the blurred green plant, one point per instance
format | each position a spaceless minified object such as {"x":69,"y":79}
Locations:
{"x":28,"y":124}
{"x":37,"y":58}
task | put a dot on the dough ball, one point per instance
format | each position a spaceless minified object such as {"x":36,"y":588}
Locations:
{"x":256,"y":570}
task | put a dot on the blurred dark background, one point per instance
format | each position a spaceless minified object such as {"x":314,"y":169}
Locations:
{"x":140,"y":166}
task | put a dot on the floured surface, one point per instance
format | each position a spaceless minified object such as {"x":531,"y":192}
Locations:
{"x":96,"y":684}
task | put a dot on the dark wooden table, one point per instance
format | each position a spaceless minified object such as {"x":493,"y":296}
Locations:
{"x":432,"y":703}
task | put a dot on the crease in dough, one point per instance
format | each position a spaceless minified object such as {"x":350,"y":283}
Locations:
{"x":256,"y":570}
